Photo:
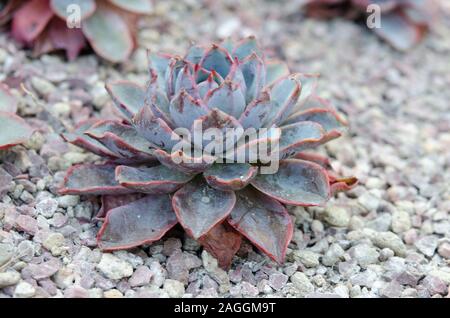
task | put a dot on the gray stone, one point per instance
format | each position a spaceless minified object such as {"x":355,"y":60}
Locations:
{"x":364,"y":254}
{"x":302,"y":283}
{"x":176,"y":267}
{"x":171,"y":245}
{"x":365,"y":278}
{"x":24,"y":290}
{"x":401,"y":221}
{"x":392,"y":290}
{"x":158,"y":274}
{"x":9,"y":279}
{"x":43,"y":270}
{"x":54,"y":243}
{"x":249,"y":290}
{"x":27,"y":224}
{"x":337,"y":216}
{"x":444,"y":250}
{"x":76,"y":292}
{"x":307,"y":258}
{"x":369,"y":201}
{"x":333,"y":255}
{"x":278,"y":280}
{"x":66,"y":201}
{"x":140,"y":277}
{"x":113,"y":267}
{"x":174,"y":288}
{"x":434,"y":285}
{"x":47,"y":207}
{"x":6,"y":253}
{"x":389,"y":240}
{"x":427,"y":245}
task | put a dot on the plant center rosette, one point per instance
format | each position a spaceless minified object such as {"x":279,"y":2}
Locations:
{"x":157,"y":174}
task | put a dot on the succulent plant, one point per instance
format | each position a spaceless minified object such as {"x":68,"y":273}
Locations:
{"x":49,"y":25}
{"x":146,"y":189}
{"x":404,"y":23}
{"x":13,"y":129}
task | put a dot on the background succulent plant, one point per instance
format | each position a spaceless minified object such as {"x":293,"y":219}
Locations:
{"x":13,"y":129}
{"x":107,"y":25}
{"x":146,"y":191}
{"x":403,"y":22}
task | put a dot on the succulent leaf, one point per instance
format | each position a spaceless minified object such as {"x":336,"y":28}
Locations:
{"x":217,"y":59}
{"x":246,"y":47}
{"x":140,"y":222}
{"x":285,"y":93}
{"x":264,"y":221}
{"x":110,"y":202}
{"x":187,"y":163}
{"x":154,"y":129}
{"x":108,"y":33}
{"x":134,"y":6}
{"x":199,"y":207}
{"x":60,"y":8}
{"x":8,"y":102}
{"x":275,"y":70}
{"x":230,"y":177}
{"x":122,"y":140}
{"x":254,"y":72}
{"x":300,"y":136}
{"x":30,"y":20}
{"x":14,"y":130}
{"x":128,"y":97}
{"x":92,"y":180}
{"x":184,"y":109}
{"x":153,"y":180}
{"x":327,"y":118}
{"x":296,"y":182}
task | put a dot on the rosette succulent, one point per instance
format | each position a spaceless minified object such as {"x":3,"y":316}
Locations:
{"x":404,"y":23}
{"x":148,"y":184}
{"x":13,"y":129}
{"x":49,"y":25}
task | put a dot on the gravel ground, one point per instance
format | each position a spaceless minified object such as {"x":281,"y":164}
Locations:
{"x":389,"y":237}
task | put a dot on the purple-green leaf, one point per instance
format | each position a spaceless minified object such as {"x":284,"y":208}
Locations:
{"x":217,"y":59}
{"x":327,"y":118}
{"x":80,"y":139}
{"x":14,"y":130}
{"x":264,"y":221}
{"x":92,"y":179}
{"x":134,"y":6}
{"x":122,"y":140}
{"x":254,"y":72}
{"x":128,"y":97}
{"x":228,"y":97}
{"x":153,"y":180}
{"x":184,"y":162}
{"x":199,"y":207}
{"x":300,"y":136}
{"x":8,"y":102}
{"x":108,"y":33}
{"x":285,"y":93}
{"x":246,"y":47}
{"x":257,"y":112}
{"x":64,"y":9}
{"x":296,"y":182}
{"x":275,"y":70}
{"x":140,"y":222}
{"x":154,"y":129}
{"x":230,"y":177}
{"x":184,"y":109}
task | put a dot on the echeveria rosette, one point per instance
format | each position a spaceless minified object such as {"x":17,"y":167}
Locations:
{"x":404,"y":23}
{"x":13,"y":129}
{"x":145,"y":191}
{"x":107,"y":25}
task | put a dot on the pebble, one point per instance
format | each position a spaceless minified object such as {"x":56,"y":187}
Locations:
{"x":44,"y":269}
{"x":9,"y":278}
{"x":24,"y":290}
{"x":112,"y":293}
{"x":434,"y":285}
{"x":54,"y":243}
{"x":174,"y":288}
{"x":369,"y":201}
{"x":42,"y":86}
{"x":27,"y":224}
{"x":337,"y":216}
{"x":6,"y":252}
{"x":113,"y":267}
{"x":389,"y":240}
{"x":67,"y":201}
{"x":364,"y":254}
{"x":76,"y":292}
{"x":333,"y":255}
{"x":140,"y":277}
{"x":444,"y":250}
{"x":401,"y":221}
{"x":307,"y":258}
{"x":278,"y":280}
{"x":427,"y":245}
{"x":302,"y":283}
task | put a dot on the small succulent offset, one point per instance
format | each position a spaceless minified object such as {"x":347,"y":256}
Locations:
{"x":146,"y":190}
{"x":13,"y":129}
{"x":109,"y":26}
{"x":404,"y":23}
